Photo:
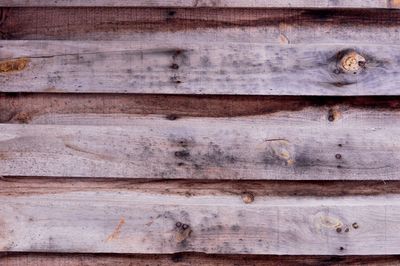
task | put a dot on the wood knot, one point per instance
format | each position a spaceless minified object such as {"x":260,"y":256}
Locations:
{"x":13,"y":65}
{"x":333,"y":115}
{"x":352,"y":62}
{"x":247,"y":197}
{"x":183,"y":232}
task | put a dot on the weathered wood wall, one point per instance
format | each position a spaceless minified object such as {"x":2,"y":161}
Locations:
{"x":199,"y":132}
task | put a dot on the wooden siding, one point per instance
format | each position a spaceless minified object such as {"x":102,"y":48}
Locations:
{"x":199,"y":132}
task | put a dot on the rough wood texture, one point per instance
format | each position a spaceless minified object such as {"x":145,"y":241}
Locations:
{"x":188,"y":259}
{"x":16,"y":186}
{"x":188,"y":173}
{"x":273,"y":26}
{"x":32,"y":107}
{"x":313,"y":143}
{"x":211,"y":3}
{"x":175,"y":67}
{"x":122,"y":220}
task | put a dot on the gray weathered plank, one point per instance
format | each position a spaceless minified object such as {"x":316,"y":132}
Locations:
{"x":210,"y":3}
{"x":309,"y":144}
{"x":175,"y":67}
{"x":122,"y":221}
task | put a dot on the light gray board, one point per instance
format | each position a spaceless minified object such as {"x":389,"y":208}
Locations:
{"x":135,"y":222}
{"x":173,"y":67}
{"x":285,"y":145}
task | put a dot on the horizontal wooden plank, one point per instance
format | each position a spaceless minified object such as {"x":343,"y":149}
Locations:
{"x":207,"y":3}
{"x":17,"y":186}
{"x":273,"y":26}
{"x":186,"y":259}
{"x":62,"y":218}
{"x":176,"y":67}
{"x":309,"y":144}
{"x":33,"y":107}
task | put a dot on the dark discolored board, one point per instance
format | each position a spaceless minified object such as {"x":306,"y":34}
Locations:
{"x":210,"y":3}
{"x":185,"y":259}
{"x":269,"y":26}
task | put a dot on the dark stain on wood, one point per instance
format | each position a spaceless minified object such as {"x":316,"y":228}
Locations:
{"x":214,"y":156}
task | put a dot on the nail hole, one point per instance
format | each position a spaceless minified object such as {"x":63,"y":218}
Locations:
{"x":174,"y":66}
{"x":171,"y":13}
{"x":185,"y":226}
{"x":171,"y":117}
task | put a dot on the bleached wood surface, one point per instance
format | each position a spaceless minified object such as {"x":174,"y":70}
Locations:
{"x":309,"y":144}
{"x":135,"y":222}
{"x":174,"y":67}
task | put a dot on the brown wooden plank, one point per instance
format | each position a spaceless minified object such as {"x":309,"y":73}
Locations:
{"x":56,"y":216}
{"x":279,"y":26}
{"x":181,"y":259}
{"x":207,"y":3}
{"x":17,"y":186}
{"x":27,"y":108}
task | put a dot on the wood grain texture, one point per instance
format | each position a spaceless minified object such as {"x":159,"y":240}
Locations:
{"x":273,"y":26}
{"x":210,"y":3}
{"x":176,"y":67}
{"x":311,"y":144}
{"x":187,"y":259}
{"x":17,"y":186}
{"x":27,"y":107}
{"x":134,"y":221}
